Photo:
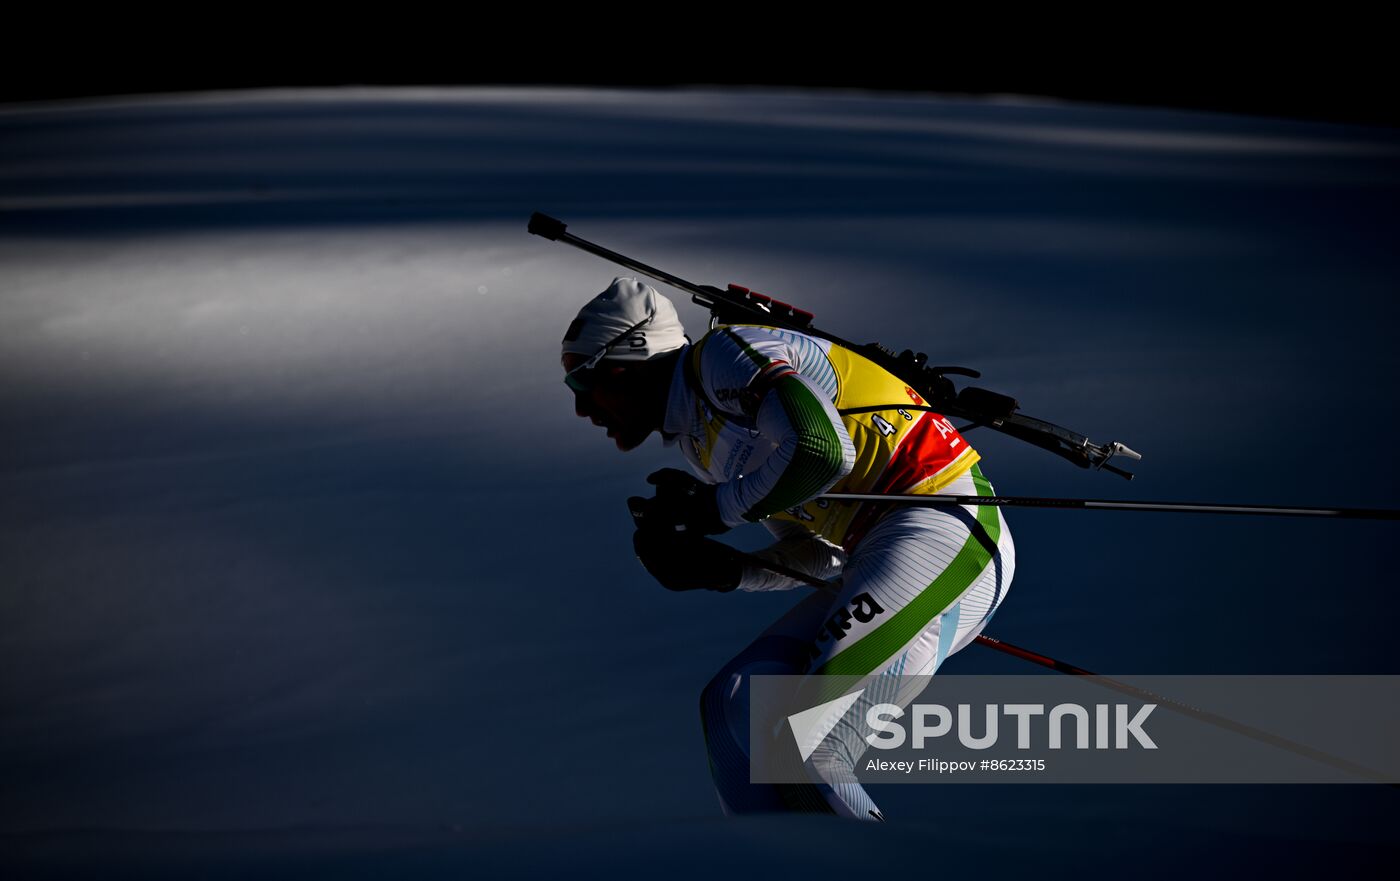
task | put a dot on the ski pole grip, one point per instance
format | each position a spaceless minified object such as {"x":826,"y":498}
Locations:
{"x":544,"y":225}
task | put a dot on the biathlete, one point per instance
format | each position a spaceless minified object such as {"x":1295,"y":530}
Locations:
{"x":768,"y":420}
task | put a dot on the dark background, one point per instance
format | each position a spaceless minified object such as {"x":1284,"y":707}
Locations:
{"x":1223,"y":60}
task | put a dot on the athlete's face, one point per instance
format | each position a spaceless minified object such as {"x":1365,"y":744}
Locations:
{"x":611,"y":401}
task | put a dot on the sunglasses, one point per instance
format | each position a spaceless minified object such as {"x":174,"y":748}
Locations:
{"x":584,"y":378}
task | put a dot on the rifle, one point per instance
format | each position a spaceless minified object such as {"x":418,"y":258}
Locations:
{"x":980,"y":407}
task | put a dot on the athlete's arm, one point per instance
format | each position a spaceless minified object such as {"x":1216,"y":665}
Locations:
{"x":813,"y":449}
{"x":813,"y":452}
{"x":797,"y":548}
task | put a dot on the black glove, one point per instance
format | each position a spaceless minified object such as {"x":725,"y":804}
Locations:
{"x":682,"y":504}
{"x":682,"y":561}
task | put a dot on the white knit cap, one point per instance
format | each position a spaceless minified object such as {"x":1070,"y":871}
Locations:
{"x":626,"y":304}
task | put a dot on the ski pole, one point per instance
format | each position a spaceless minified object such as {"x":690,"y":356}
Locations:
{"x":1185,"y":709}
{"x":1114,"y":505}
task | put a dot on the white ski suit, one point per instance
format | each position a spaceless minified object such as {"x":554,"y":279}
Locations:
{"x":777,"y":418}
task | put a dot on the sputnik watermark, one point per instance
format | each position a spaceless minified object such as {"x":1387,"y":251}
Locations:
{"x":929,"y":722}
{"x":1127,"y":731}
{"x":1043,"y":729}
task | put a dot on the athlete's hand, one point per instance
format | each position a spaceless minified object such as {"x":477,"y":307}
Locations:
{"x":682,"y":504}
{"x":681,"y":561}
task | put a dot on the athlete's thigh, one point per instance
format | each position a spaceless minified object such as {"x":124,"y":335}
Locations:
{"x":782,"y":649}
{"x":912,"y":567}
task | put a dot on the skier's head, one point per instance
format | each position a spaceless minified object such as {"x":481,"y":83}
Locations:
{"x":615,"y":354}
